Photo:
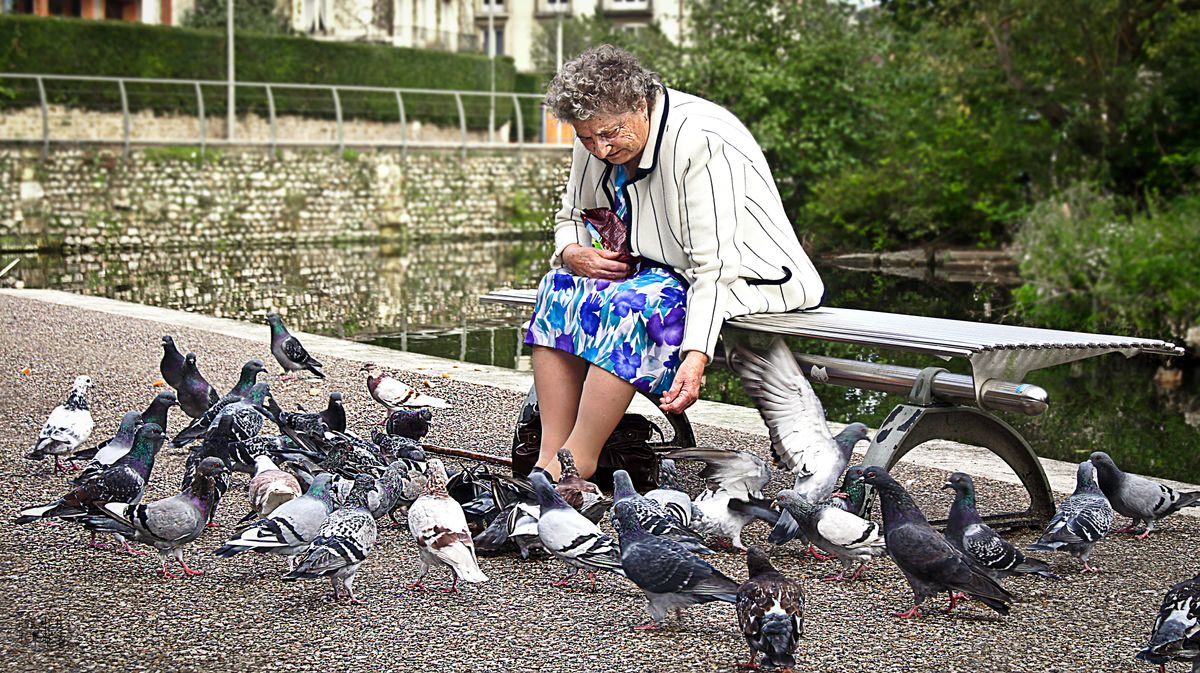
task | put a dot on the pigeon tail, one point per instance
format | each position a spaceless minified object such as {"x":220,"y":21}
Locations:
{"x":47,"y":511}
{"x":759,"y":508}
{"x":1032,"y":566}
{"x":786,"y":529}
{"x":777,"y":631}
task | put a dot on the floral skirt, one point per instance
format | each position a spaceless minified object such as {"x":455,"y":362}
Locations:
{"x":631,"y":328}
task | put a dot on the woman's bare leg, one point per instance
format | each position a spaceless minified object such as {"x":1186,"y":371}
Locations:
{"x":604,"y":400}
{"x":558,"y":379}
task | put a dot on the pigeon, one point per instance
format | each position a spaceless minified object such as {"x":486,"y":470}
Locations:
{"x":516,"y":523}
{"x":966,"y":530}
{"x":196,"y":394}
{"x":786,"y":530}
{"x":928,"y":561}
{"x":394,"y":394}
{"x":438,"y":525}
{"x":288,"y":350}
{"x":852,"y":495}
{"x":1176,"y":633}
{"x":334,"y":415}
{"x":770,"y":610}
{"x":845,"y":536}
{"x":1082,"y":520}
{"x":653,"y":517}
{"x":106,"y":453}
{"x":399,"y":447}
{"x":676,"y":501}
{"x":171,"y":366}
{"x":342,"y":544}
{"x":69,"y":425}
{"x":168,"y":524}
{"x":570,"y":536}
{"x":122,"y":482}
{"x":580,"y":493}
{"x":733,"y":497}
{"x":270,"y":487}
{"x":1142,"y":500}
{"x":290,"y":528}
{"x":239,"y":392}
{"x":388,"y":489}
{"x":410,"y":423}
{"x":671,"y":577}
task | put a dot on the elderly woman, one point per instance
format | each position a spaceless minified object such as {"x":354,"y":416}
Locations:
{"x":704,"y":217}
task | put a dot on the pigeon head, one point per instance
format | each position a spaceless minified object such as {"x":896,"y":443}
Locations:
{"x":364,"y":483}
{"x":850,"y":435}
{"x":82,"y":384}
{"x":1085,"y":475}
{"x":157,"y":411}
{"x":626,"y":516}
{"x":547,"y":497}
{"x":212,"y":467}
{"x":961,"y":484}
{"x":879,"y":478}
{"x":757,"y":561}
{"x":260,"y":394}
{"x":853,"y":478}
{"x":435,"y":479}
{"x":623,"y":486}
{"x":567,"y":461}
{"x":190,"y":360}
{"x":1103,"y":462}
{"x":148,"y":440}
{"x":335,"y":398}
{"x":168,"y":344}
{"x":320,"y":487}
{"x":249,"y":375}
{"x":166,"y":398}
{"x":369,"y":368}
{"x":794,"y":503}
{"x":129,"y":424}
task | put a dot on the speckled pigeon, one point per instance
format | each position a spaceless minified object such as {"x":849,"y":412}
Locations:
{"x":240,"y":391}
{"x":196,"y":394}
{"x":288,"y":350}
{"x":966,"y":530}
{"x":411,"y":423}
{"x":1082,"y":520}
{"x":653,"y":518}
{"x":394,"y":394}
{"x":438,"y":525}
{"x":169,"y":524}
{"x":1142,"y":500}
{"x":69,"y":425}
{"x":733,"y":497}
{"x":930,"y":563}
{"x":171,"y":365}
{"x":672,"y":577}
{"x":388,"y":488}
{"x":290,"y":527}
{"x":770,"y":610}
{"x":673,"y":499}
{"x":342,"y":544}
{"x":1176,"y":632}
{"x":570,"y":536}
{"x":845,"y":536}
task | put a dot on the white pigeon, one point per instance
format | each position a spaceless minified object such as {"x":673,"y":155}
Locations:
{"x":845,"y":536}
{"x":270,"y":487}
{"x":571,"y":537}
{"x":673,"y":499}
{"x":69,"y":425}
{"x":439,"y":526}
{"x":395,"y":394}
{"x":733,"y":497}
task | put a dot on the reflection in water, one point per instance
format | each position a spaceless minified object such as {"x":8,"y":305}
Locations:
{"x":423,"y":297}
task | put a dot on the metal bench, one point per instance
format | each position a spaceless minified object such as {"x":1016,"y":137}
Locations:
{"x":940,"y":405}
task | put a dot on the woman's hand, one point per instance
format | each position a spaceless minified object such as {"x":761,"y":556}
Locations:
{"x":595,"y":263}
{"x":686,"y":388}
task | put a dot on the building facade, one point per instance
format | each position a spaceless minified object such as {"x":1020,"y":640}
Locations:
{"x":163,"y":12}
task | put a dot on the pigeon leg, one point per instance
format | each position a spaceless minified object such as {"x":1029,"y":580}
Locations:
{"x":859,"y":571}
{"x":838,"y":577}
{"x":911,"y":614}
{"x":166,"y":572}
{"x":186,"y":570}
{"x":817,"y":554}
{"x":592,"y":577}
{"x":648,"y":626}
{"x":723,"y":545}
{"x":453,"y":588}
{"x":1146,"y":533}
{"x":336,"y":593}
{"x":92,"y":544}
{"x":566,"y":579}
{"x":419,"y":584}
{"x":130,"y":550}
{"x":955,"y":597}
{"x":1089,"y":568}
{"x":751,"y":665}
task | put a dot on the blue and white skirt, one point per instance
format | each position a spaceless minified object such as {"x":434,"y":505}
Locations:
{"x":632,"y":328}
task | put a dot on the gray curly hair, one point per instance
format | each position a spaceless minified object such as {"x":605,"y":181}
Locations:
{"x":601,"y":80}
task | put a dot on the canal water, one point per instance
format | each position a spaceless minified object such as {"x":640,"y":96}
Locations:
{"x":423,"y":297}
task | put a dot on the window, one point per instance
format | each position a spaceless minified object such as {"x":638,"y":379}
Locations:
{"x":487,"y":45}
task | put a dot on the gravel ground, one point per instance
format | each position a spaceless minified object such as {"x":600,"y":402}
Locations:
{"x":76,"y":609}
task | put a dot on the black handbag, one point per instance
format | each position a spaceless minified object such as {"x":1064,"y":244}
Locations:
{"x":628,"y":448}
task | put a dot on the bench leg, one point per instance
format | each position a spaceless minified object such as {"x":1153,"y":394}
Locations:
{"x":910,"y":425}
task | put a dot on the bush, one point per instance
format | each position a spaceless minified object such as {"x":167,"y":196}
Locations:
{"x":1091,"y":263}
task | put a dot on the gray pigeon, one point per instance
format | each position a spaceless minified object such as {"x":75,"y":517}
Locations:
{"x":570,"y":536}
{"x":171,"y":366}
{"x":671,"y":577}
{"x":672,"y":498}
{"x":107,"y":453}
{"x":844,"y":536}
{"x":787,"y":530}
{"x":1142,"y":500}
{"x":966,"y":530}
{"x":1176,"y":633}
{"x":770,"y":609}
{"x":733,"y":496}
{"x":653,"y":517}
{"x":385,"y":496}
{"x":290,"y":528}
{"x":171,"y":523}
{"x":342,"y":544}
{"x":196,"y":394}
{"x":580,"y":493}
{"x":930,"y":563}
{"x":288,"y":350}
{"x":1082,"y":520}
{"x":69,"y":425}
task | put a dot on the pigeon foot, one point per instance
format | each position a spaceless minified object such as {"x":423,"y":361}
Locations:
{"x":167,"y":574}
{"x":357,"y":601}
{"x":133,"y":552}
{"x":212,"y":524}
{"x":1089,"y":568}
{"x":1143,"y":536}
{"x":818,"y":555}
{"x":914,"y":613}
{"x":416,"y":585}
{"x":648,"y":626}
{"x":837,"y":577}
{"x":559,"y":584}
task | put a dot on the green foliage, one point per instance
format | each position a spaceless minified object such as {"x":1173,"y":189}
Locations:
{"x":1090,"y":263}
{"x":652,"y":47}
{"x":119,"y":48}
{"x":254,"y":16}
{"x":188,"y":154}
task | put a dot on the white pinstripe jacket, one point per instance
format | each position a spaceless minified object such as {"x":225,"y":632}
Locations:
{"x":704,"y":203}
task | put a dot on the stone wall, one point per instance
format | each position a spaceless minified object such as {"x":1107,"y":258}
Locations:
{"x":174,"y":197}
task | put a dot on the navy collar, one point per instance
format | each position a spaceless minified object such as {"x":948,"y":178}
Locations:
{"x":649,"y":161}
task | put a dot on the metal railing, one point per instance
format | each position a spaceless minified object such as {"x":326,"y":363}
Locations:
{"x":401,"y":103}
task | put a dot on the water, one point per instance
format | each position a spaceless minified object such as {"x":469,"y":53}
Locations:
{"x":422,"y":297}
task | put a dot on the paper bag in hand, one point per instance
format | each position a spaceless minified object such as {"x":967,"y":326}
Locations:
{"x":613,"y":232}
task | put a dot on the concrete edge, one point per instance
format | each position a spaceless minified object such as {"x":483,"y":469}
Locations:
{"x":943,"y":455}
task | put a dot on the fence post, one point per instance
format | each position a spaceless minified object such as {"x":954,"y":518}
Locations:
{"x":403,"y":125}
{"x":124,"y":119}
{"x":520,"y":128}
{"x":45,"y":119}
{"x":462,"y":122}
{"x":200,"y":111}
{"x":337,"y":109}
{"x":271,"y":117}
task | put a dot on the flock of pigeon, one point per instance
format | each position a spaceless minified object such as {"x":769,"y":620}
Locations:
{"x":317,"y":490}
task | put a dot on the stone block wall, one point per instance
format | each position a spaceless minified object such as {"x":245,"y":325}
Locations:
{"x":176,"y":197}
